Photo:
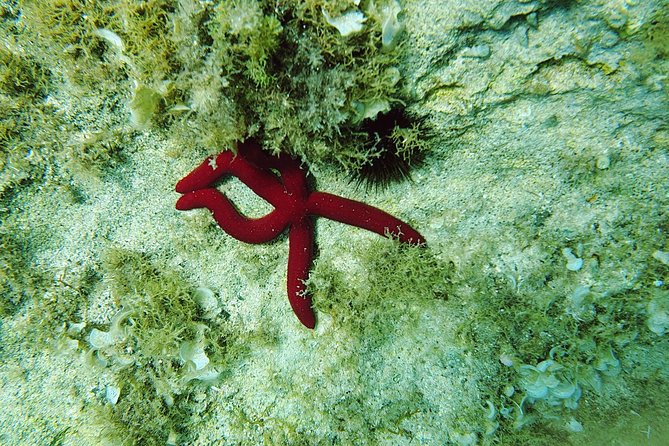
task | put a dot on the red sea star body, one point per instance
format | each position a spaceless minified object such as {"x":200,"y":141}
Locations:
{"x":293,"y":205}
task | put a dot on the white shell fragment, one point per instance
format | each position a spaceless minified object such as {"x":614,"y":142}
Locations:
{"x":574,"y":425}
{"x":207,"y":375}
{"x":112,"y":394}
{"x":207,"y":301}
{"x":658,"y":323}
{"x":101,"y":339}
{"x":367,"y":110}
{"x":193,"y":353}
{"x":172,"y":439}
{"x":75,"y":328}
{"x":348,"y":23}
{"x":658,"y":314}
{"x":662,"y":256}
{"x":478,"y":51}
{"x":573,"y":262}
{"x":111,"y":37}
{"x":391,"y":26}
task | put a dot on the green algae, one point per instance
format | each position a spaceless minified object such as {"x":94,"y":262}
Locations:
{"x":400,"y":283}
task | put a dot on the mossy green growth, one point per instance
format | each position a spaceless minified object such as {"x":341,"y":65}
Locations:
{"x":146,"y":29}
{"x":19,"y":279}
{"x":19,"y":75}
{"x":409,"y":142}
{"x":218,"y":72}
{"x":93,"y":153}
{"x":36,"y":134}
{"x":655,"y":33}
{"x":147,"y":347}
{"x":72,"y":26}
{"x":23,"y":85}
{"x":297,"y":82}
{"x":158,"y":314}
{"x":63,"y":33}
{"x":392,"y":288}
{"x":160,"y":302}
{"x":105,"y":47}
{"x":253,"y":37}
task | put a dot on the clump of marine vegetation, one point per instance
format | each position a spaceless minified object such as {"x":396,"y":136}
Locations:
{"x":398,"y":279}
{"x":570,"y":338}
{"x":159,"y":353}
{"x":168,"y":344}
{"x":306,"y":77}
{"x":303,"y":76}
{"x":567,"y":336}
{"x":165,"y":346}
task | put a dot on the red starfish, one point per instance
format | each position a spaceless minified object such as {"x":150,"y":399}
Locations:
{"x":293,"y":205}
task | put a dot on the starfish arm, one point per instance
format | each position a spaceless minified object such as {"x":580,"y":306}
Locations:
{"x":204,"y":175}
{"x":293,"y":177}
{"x":300,"y":255}
{"x":261,"y":181}
{"x":249,"y":230}
{"x":252,"y":151}
{"x":361,"y":215}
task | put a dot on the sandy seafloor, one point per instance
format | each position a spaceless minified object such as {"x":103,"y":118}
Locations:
{"x":550,"y":131}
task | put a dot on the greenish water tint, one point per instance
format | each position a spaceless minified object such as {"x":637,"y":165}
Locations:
{"x":533,"y":156}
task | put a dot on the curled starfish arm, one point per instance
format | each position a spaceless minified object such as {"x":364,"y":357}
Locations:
{"x":249,"y":230}
{"x":300,"y":255}
{"x":359,"y":214}
{"x":261,"y":181}
{"x":204,"y":175}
